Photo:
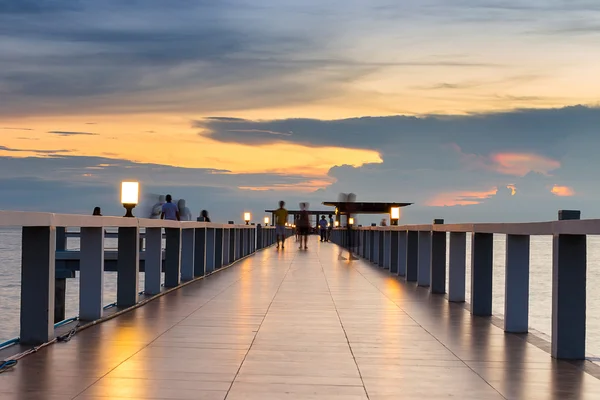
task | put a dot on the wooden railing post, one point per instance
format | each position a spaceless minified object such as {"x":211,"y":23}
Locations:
{"x":173,"y":257}
{"x":423,"y":275}
{"x":438,"y":260}
{"x":154,"y":261}
{"x":219,"y":248}
{"x":210,"y":250}
{"x":394,"y":252}
{"x":457,"y":267}
{"x":128,"y":266}
{"x":91,"y":274}
{"x":37,"y":284}
{"x":200,"y":252}
{"x":402,"y":243}
{"x":516,"y":284}
{"x":569,"y":264}
{"x":482,"y":268}
{"x":188,"y":238}
{"x":412,"y":256}
{"x":387,"y":249}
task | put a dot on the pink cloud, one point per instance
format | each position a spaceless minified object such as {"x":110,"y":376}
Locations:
{"x":508,"y":163}
{"x":461,"y":198}
{"x":562,"y":191}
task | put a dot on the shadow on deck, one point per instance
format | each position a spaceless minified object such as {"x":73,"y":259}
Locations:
{"x":297,"y":325}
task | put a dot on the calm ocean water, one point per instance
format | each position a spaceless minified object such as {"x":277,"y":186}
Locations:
{"x":540,"y":304}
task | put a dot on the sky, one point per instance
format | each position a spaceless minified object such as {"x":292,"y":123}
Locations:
{"x":473,"y":110}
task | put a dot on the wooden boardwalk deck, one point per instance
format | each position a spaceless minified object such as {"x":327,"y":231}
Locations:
{"x":297,"y":325}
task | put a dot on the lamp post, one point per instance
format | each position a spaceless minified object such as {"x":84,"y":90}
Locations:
{"x":394,"y":215}
{"x":247,"y":218}
{"x":351,"y":221}
{"x":266,"y":221}
{"x":129,"y":196}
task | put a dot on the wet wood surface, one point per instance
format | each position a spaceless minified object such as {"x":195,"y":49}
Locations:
{"x":295,"y":324}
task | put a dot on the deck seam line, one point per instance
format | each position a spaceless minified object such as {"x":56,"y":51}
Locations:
{"x":429,"y":333}
{"x":259,"y":326}
{"x":343,"y":329}
{"x":159,"y":336}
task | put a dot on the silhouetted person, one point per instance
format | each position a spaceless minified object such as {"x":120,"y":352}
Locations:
{"x":330,"y":228}
{"x":281,"y":216}
{"x":304,"y":225}
{"x":169,"y":210}
{"x":203,"y":216}
{"x":184,"y":212}
{"x":97,"y":211}
{"x":156,"y":211}
{"x":323,"y":228}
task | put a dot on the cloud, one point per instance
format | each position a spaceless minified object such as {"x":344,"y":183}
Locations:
{"x":67,"y":133}
{"x":520,"y":164}
{"x":562,"y":191}
{"x":17,"y":129}
{"x":461,"y":198}
{"x":37,"y":151}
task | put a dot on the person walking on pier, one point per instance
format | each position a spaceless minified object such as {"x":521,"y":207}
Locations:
{"x":330,"y":228}
{"x":184,"y":212}
{"x":323,"y":228}
{"x":169,"y":210}
{"x":304,"y":225}
{"x":281,"y":216}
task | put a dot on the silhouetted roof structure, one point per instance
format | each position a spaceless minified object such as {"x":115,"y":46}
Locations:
{"x":297,"y":212}
{"x":363,"y":207}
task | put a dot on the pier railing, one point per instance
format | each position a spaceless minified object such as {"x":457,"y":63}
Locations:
{"x":418,"y":253}
{"x":193,"y":250}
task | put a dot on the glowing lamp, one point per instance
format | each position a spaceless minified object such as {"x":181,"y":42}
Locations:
{"x":266,"y":221}
{"x":336,"y":223}
{"x":394,"y":215}
{"x":351,"y":221}
{"x":247,"y":217}
{"x":129,"y":196}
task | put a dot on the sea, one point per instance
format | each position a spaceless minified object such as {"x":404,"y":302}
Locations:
{"x":540,"y":285}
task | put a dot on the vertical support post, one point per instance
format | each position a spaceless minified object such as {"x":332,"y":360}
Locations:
{"x":154,"y":261}
{"x":259,"y":237}
{"x":516,"y":284}
{"x":372,"y":245}
{"x":394,"y":242}
{"x":210,"y":250}
{"x":226,"y":245}
{"x":60,"y":299}
{"x":412,"y":256}
{"x":424,"y":244}
{"x":569,"y":262}
{"x":187,"y":254}
{"x":232,"y":245}
{"x":37,"y":284}
{"x":438,"y":260}
{"x":380,"y":247}
{"x":218,"y":248}
{"x":128,"y":266}
{"x":402,"y":240}
{"x":173,"y":257}
{"x":387,"y":249}
{"x":482,"y":268}
{"x":91,"y":274}
{"x":457,"y":267}
{"x":200,"y":252}
{"x":61,"y":238}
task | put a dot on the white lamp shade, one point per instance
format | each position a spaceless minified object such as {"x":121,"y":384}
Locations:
{"x":247,"y":216}
{"x":395,"y":213}
{"x":351,"y":221}
{"x":266,"y":220}
{"x":130,"y":192}
{"x":336,"y":223}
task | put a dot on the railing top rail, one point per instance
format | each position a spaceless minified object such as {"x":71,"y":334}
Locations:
{"x":23,"y":218}
{"x":568,"y":227}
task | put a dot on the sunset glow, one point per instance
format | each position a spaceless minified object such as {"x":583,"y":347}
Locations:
{"x":562,"y":191}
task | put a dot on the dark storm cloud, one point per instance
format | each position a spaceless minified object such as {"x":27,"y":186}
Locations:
{"x":521,"y":130}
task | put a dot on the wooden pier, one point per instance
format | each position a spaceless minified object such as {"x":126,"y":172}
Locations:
{"x":298,"y":325}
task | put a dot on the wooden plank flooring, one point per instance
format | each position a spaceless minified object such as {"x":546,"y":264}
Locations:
{"x":297,"y":325}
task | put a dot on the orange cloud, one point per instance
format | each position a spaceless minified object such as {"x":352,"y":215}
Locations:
{"x":520,"y":164}
{"x":461,"y":198}
{"x":562,"y":191}
{"x":513,"y":189}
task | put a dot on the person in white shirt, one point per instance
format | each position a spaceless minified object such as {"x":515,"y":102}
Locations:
{"x":169,"y":210}
{"x":184,"y":212}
